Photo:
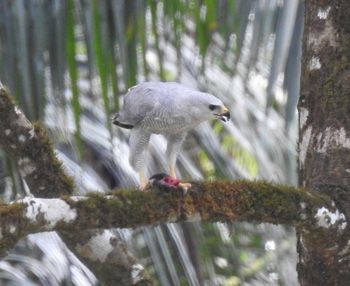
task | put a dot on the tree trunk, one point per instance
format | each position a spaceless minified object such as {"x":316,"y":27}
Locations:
{"x":324,"y":141}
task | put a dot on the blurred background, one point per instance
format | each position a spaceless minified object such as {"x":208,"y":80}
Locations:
{"x":68,"y":63}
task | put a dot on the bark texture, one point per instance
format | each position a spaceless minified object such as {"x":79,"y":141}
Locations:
{"x":30,"y":148}
{"x":324,"y":139}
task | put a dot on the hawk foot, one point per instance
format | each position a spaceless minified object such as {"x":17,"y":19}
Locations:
{"x":166,"y":181}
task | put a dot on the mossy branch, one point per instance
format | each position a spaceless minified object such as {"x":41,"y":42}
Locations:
{"x":30,"y":148}
{"x":225,"y":201}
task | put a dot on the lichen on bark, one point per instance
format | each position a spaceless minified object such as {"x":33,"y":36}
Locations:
{"x":29,"y":147}
{"x":325,"y":95}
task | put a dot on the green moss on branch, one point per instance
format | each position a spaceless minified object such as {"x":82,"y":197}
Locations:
{"x":225,"y":201}
{"x":29,"y":146}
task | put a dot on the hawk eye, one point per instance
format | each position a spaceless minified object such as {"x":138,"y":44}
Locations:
{"x":212,"y":107}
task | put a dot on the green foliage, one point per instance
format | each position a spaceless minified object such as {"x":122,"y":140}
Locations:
{"x":101,"y":59}
{"x":206,"y":23}
{"x":244,"y":158}
{"x":73,"y":72}
{"x":153,"y":6}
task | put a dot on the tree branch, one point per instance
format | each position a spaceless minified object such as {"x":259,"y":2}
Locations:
{"x":103,"y":252}
{"x":30,"y":148}
{"x":225,"y":201}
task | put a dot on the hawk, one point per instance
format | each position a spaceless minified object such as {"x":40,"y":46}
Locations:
{"x":167,"y":108}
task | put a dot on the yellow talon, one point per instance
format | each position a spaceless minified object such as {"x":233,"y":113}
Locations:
{"x":172,"y":171}
{"x":143,"y":181}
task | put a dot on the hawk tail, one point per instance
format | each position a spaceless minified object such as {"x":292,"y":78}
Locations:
{"x":115,"y":120}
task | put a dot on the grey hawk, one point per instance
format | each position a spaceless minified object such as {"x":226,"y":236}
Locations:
{"x":167,"y":108}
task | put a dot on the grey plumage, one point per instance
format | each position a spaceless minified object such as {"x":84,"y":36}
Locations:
{"x":165,"y":108}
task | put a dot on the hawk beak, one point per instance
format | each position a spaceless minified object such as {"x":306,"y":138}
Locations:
{"x":225,"y":115}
